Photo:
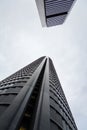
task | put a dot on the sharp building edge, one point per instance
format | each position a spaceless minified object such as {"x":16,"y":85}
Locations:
{"x":53,"y":12}
{"x":33,"y":99}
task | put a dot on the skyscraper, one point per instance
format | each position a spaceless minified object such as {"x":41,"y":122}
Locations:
{"x":33,"y":99}
{"x":53,"y":12}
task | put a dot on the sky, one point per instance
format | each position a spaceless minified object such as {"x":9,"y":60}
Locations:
{"x":23,"y":40}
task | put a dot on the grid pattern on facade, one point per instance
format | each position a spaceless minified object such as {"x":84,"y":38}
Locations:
{"x":11,"y":86}
{"x":22,"y":74}
{"x":35,"y":100}
{"x":51,"y":21}
{"x":53,"y":12}
{"x":57,"y":6}
{"x":61,"y":116}
{"x":56,"y":11}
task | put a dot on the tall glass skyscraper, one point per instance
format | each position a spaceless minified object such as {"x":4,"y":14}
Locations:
{"x":33,"y":99}
{"x":53,"y":12}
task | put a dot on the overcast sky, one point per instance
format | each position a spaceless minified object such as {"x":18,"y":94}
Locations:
{"x":22,"y":40}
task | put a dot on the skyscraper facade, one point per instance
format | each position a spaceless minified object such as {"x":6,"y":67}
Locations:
{"x":33,"y":99}
{"x":53,"y":12}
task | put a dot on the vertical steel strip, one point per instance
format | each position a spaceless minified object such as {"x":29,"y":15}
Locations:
{"x":44,"y":120}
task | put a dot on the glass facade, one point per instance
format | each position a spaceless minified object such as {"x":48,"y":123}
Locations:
{"x":33,"y":99}
{"x":54,"y":11}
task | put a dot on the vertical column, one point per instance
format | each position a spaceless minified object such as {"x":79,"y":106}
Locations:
{"x":42,"y":121}
{"x":45,"y":111}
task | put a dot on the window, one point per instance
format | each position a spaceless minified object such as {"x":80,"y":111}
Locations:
{"x":53,"y":126}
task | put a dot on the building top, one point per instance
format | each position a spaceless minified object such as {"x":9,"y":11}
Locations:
{"x":53,"y":12}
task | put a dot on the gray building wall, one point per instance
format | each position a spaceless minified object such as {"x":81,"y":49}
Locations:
{"x":32,"y":98}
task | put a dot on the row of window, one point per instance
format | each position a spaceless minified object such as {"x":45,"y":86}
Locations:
{"x":59,"y":93}
{"x":23,"y":73}
{"x":63,"y":106}
{"x":57,"y":107}
{"x":60,"y":97}
{"x":10,"y":90}
{"x":57,"y":86}
{"x":57,"y":122}
{"x":7,"y":99}
{"x":13,"y":82}
{"x":7,"y":95}
{"x":54,"y":126}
